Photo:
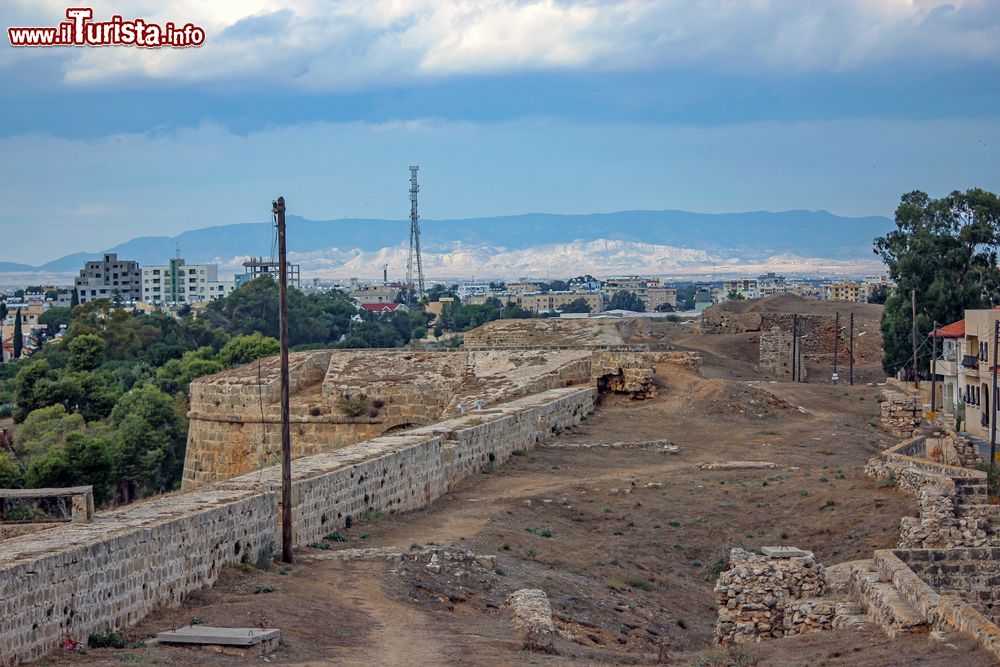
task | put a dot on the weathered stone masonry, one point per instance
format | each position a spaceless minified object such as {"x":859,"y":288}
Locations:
{"x":84,"y":578}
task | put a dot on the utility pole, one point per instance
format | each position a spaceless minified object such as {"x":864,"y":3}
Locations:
{"x":991,"y":407}
{"x":934,"y":368}
{"x":278,"y":208}
{"x":795,"y":328}
{"x":850,"y":372}
{"x":913,"y":310}
{"x":836,"y":344}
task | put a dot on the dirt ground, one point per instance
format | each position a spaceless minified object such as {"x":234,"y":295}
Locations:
{"x":626,"y":542}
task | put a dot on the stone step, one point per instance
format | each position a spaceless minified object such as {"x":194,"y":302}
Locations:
{"x":883,"y":603}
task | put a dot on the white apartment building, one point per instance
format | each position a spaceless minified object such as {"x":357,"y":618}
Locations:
{"x":178,"y":282}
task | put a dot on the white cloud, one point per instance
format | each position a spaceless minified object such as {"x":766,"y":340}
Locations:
{"x":345,"y":44}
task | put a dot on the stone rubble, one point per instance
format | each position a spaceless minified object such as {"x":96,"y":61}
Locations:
{"x":533,"y":619}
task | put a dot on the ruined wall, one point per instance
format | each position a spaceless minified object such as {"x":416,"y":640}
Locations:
{"x":624,"y":372}
{"x":776,"y":353}
{"x":342,"y":397}
{"x":900,"y":412}
{"x":70,"y":581}
{"x":764,"y":598}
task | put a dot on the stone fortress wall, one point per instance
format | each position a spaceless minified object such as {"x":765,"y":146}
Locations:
{"x":480,"y":407}
{"x":87,"y":577}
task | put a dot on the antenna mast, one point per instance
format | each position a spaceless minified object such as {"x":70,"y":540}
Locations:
{"x":415,"y":291}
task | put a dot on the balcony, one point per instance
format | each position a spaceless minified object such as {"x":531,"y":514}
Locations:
{"x":947,"y":367}
{"x":970,"y":364}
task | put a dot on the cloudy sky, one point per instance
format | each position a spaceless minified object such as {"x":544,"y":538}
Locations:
{"x":508,"y":107}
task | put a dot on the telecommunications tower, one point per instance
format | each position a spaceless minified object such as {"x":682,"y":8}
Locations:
{"x":415,"y":290}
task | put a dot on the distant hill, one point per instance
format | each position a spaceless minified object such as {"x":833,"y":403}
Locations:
{"x":729,"y":237}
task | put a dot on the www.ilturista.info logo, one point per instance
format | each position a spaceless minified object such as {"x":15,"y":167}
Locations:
{"x":80,"y":30}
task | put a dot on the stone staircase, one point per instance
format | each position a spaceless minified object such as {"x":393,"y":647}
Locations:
{"x":870,"y":585}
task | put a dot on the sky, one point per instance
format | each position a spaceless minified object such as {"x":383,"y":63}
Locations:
{"x":507,"y":106}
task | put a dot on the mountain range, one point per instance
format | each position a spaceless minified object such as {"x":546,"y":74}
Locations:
{"x":534,"y":244}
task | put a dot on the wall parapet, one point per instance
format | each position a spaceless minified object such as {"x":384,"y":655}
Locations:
{"x":69,"y":582}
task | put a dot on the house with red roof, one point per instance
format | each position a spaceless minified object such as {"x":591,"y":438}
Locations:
{"x":381,"y":308}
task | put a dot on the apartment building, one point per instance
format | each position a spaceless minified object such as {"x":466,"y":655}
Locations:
{"x":744,"y":287}
{"x":376,"y":293}
{"x":539,"y":302}
{"x":966,"y":365}
{"x":651,"y":291}
{"x":848,"y":291}
{"x":522,"y":287}
{"x":110,"y":278}
{"x":178,"y":282}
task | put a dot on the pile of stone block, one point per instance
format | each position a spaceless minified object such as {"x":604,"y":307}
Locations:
{"x":900,"y":413}
{"x":763,"y":597}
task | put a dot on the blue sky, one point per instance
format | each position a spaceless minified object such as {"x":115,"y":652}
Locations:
{"x":508,"y":107}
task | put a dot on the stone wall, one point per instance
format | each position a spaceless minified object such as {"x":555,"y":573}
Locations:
{"x":764,"y":598}
{"x":972,"y":574}
{"x":70,"y":581}
{"x":624,"y":372}
{"x":776,"y":353}
{"x":900,"y":412}
{"x":342,"y":397}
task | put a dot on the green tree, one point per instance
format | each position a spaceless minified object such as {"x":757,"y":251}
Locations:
{"x":148,"y":443}
{"x":18,"y":335}
{"x":943,"y":251}
{"x":244,"y":349}
{"x":627,"y":301}
{"x":665,"y":308}
{"x":86,"y":352}
{"x":176,"y":375}
{"x":577,"y":306}
{"x":54,"y":318}
{"x":45,"y":429}
{"x":735,"y":296}
{"x":25,"y":384}
{"x":10,"y":473}
{"x":879,"y":295}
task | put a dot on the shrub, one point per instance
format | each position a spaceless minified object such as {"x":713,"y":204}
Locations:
{"x":107,"y":639}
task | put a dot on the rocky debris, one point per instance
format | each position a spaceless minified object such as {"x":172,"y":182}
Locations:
{"x":738,"y":465}
{"x":689,"y":360}
{"x":655,"y":445}
{"x":533,"y":619}
{"x":436,"y":559}
{"x":763,"y":598}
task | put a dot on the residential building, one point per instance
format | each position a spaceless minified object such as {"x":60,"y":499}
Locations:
{"x":375,"y":293}
{"x":522,"y":287}
{"x":651,"y":291}
{"x":744,"y":287}
{"x":539,"y":302}
{"x":967,"y":376}
{"x":435,"y":308}
{"x":382,"y":308}
{"x":770,"y":283}
{"x":848,"y":291}
{"x":467,"y":288}
{"x":950,"y":344}
{"x":178,"y":282}
{"x":110,"y":278}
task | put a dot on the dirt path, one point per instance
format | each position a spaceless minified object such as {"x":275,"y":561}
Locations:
{"x":400,"y":634}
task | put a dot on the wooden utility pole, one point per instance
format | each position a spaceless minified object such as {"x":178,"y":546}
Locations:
{"x":278,"y":208}
{"x":850,"y":372}
{"x":934,"y":368}
{"x":836,"y":344}
{"x":795,"y":331}
{"x":913,"y":310}
{"x":991,"y":404}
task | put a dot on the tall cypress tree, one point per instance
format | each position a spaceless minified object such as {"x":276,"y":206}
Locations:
{"x":18,"y":337}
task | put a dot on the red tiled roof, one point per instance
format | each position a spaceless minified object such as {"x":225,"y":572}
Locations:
{"x":380,"y":307}
{"x":953,"y":330}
